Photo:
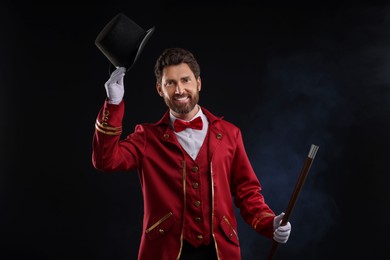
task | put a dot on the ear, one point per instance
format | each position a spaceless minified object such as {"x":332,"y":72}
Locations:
{"x":199,"y":81}
{"x":159,"y":90}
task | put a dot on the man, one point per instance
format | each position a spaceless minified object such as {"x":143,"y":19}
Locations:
{"x":190,"y":175}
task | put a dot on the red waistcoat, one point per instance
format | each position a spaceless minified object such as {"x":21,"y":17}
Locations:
{"x":164,"y":171}
{"x":197,"y":217}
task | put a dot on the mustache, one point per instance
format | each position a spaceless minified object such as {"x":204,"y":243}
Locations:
{"x":181,"y":96}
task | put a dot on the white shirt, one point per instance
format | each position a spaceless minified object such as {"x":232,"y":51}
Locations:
{"x":191,"y":139}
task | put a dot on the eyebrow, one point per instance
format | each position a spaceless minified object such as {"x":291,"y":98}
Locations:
{"x":185,"y":77}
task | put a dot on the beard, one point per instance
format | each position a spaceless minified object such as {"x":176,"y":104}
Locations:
{"x":182,"y":108}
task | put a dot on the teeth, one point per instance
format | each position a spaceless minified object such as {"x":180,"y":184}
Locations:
{"x":182,"y":98}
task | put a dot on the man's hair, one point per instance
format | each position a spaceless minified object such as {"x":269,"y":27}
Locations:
{"x":175,"y":56}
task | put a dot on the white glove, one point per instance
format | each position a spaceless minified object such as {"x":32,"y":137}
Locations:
{"x":115,"y":87}
{"x":281,"y":233}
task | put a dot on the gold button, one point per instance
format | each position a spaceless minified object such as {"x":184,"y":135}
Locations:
{"x":195,"y":169}
{"x":198,"y":219}
{"x":104,"y":124}
{"x":219,"y":136}
{"x":199,"y":237}
{"x":166,"y":136}
{"x":106,"y":113}
{"x":161,"y":231}
{"x":197,"y":203}
{"x":195,"y":185}
{"x":230,"y":235}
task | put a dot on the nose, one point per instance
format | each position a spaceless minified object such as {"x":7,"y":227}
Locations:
{"x":179,"y":89}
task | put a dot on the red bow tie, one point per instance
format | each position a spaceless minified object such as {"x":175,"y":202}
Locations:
{"x":180,"y":125}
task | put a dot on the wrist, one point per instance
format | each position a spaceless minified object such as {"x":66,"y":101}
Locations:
{"x":114,"y":101}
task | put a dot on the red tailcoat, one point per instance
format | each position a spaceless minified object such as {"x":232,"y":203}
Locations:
{"x":154,"y":151}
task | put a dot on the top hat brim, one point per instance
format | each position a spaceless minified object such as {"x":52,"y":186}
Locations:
{"x":142,"y":45}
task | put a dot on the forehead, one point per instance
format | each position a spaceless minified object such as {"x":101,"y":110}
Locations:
{"x":177,"y":71}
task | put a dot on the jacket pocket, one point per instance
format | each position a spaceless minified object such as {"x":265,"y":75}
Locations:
{"x":229,"y":230}
{"x":161,"y":227}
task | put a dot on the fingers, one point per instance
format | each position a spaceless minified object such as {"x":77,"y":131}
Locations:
{"x":116,"y":78}
{"x":117,"y":75}
{"x":282,"y":233}
{"x":118,"y":71}
{"x":284,"y":229}
{"x":114,"y":86}
{"x":279,"y":217}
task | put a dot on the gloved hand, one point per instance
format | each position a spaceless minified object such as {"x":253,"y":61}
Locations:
{"x":115,"y":87}
{"x":281,"y":233}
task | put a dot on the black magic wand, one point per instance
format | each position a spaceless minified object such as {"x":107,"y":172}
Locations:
{"x":294,"y":196}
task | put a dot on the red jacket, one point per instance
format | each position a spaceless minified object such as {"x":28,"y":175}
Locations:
{"x":154,"y":151}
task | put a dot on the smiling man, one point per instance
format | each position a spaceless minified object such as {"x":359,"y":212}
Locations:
{"x":180,"y":89}
{"x":192,"y":165}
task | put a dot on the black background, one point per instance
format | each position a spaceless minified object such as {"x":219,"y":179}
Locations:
{"x":288,"y":75}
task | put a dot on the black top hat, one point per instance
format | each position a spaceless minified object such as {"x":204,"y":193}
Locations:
{"x":122,"y":41}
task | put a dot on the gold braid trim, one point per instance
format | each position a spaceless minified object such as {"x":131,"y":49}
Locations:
{"x":108,"y":130}
{"x":105,"y":127}
{"x":259,"y":218}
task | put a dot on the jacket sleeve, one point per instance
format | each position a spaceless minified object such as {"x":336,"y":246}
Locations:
{"x":109,"y":152}
{"x":246,"y":190}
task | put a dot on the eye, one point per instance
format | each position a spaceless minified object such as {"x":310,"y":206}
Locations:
{"x":168,"y":83}
{"x":185,"y":80}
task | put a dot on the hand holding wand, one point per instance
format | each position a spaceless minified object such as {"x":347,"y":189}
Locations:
{"x":294,"y":196}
